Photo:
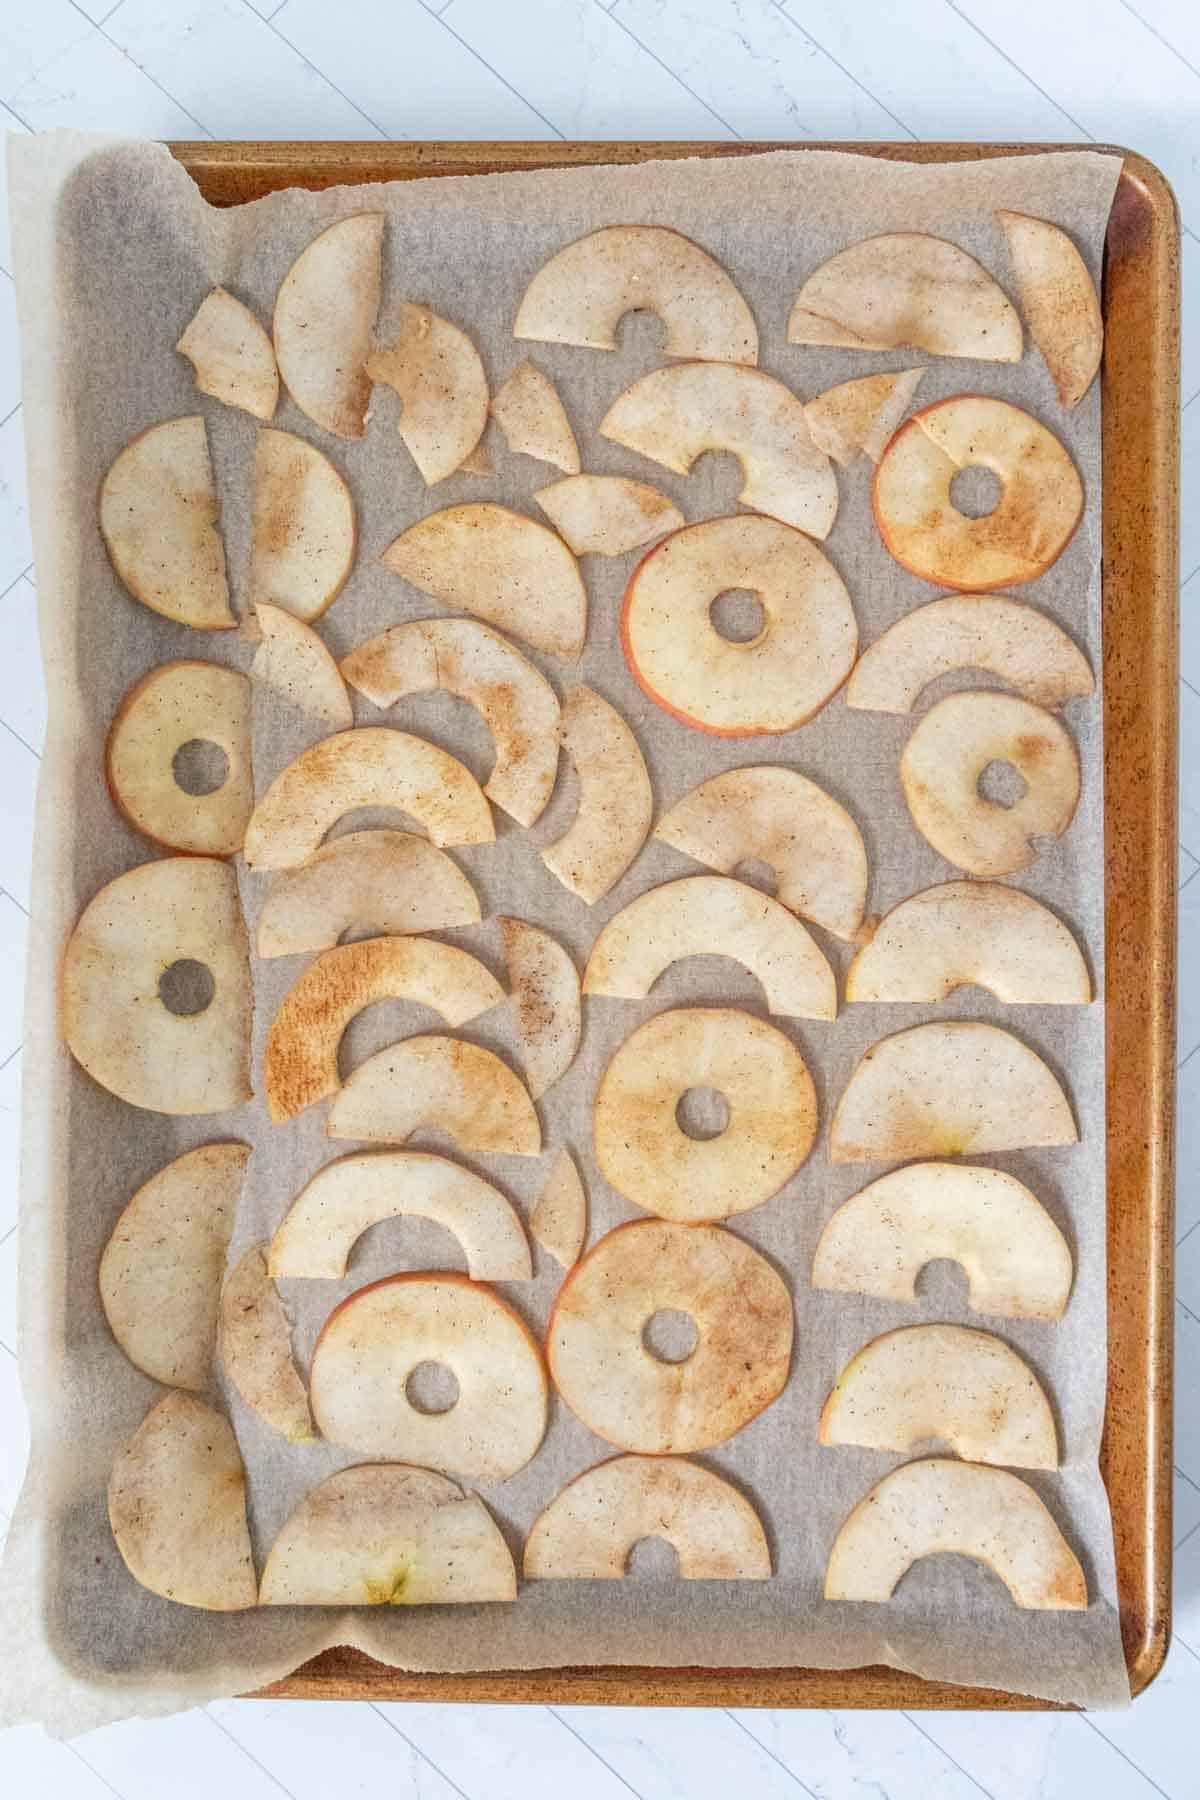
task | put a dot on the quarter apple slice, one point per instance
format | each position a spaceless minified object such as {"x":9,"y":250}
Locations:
{"x":534,"y":420}
{"x":956,"y":1088}
{"x":304,"y":529}
{"x":857,"y":418}
{"x":907,"y":290}
{"x":443,"y":1083}
{"x":325,"y":313}
{"x":437,"y":373}
{"x":545,"y":986}
{"x":388,"y":1535}
{"x":590,"y":1528}
{"x":292,"y":660}
{"x":606,"y":515}
{"x":615,"y":800}
{"x":381,"y":881}
{"x":172,"y":709}
{"x":581,"y":295}
{"x":1059,"y":301}
{"x":256,"y":1349}
{"x":559,"y":1220}
{"x":939,"y":1507}
{"x":232,"y":355}
{"x":158,"y":519}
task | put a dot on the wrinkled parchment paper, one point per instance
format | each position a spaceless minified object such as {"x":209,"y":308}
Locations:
{"x":115,"y":251}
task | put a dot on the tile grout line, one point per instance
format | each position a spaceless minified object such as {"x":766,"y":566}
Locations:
{"x":592,"y":1751}
{"x":98,"y":28}
{"x":319,"y":73}
{"x":248,"y":1754}
{"x":485,"y":64}
{"x":19,"y":738}
{"x":416,"y":1749}
{"x":1179,"y":1242}
{"x":1088,"y":1720}
{"x":80,"y":1757}
{"x":1165,"y":42}
{"x":778,"y":1761}
{"x":850,"y":76}
{"x":16,"y":903}
{"x":1023,"y":73}
{"x":667,"y":69}
{"x":950,"y":1759}
{"x":12,"y":584}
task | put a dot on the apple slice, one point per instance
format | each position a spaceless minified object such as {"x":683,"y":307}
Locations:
{"x":1017,"y":1262}
{"x":370,"y":766}
{"x":777,"y":816}
{"x":464,"y":658}
{"x":545,"y":986}
{"x":770,"y":1104}
{"x":616,"y":804}
{"x":559,"y":1220}
{"x":348,"y":1196}
{"x":674,"y":415}
{"x":256,"y":1349}
{"x":590,"y":1528}
{"x":437,"y":373}
{"x":145,"y":932}
{"x":442,"y":1083}
{"x":907,"y":290}
{"x":1059,"y":300}
{"x":293,"y":662}
{"x":324,"y":315}
{"x":373,"y":1342}
{"x":606,"y":515}
{"x":173,"y":708}
{"x":534,"y":420}
{"x":858,"y":417}
{"x":158,"y":519}
{"x":501,"y":566}
{"x":971,"y":933}
{"x":232,"y":355}
{"x":300,"y":1063}
{"x":381,"y":881}
{"x":304,"y":530}
{"x":177,"y":1507}
{"x":710,"y":915}
{"x":388,"y":1535}
{"x":951,"y":1089}
{"x":1035,"y":518}
{"x":160,"y":1273}
{"x":581,"y":295}
{"x":479,"y":462}
{"x":774,"y":681}
{"x":939,"y":1507}
{"x":1004,"y":637}
{"x":946,"y":757}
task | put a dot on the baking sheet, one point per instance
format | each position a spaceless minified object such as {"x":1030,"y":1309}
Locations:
{"x":115,"y":250}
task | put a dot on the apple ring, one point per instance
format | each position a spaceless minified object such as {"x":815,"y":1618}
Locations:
{"x":740,"y":1307}
{"x":175,"y":705}
{"x":1033,"y":521}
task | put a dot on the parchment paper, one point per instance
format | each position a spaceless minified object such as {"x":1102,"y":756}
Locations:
{"x":115,"y":251}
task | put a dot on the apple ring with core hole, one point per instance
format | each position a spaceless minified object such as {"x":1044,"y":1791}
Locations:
{"x":153,"y":760}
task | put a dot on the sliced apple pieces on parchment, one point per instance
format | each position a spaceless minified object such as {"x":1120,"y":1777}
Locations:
{"x":907,"y":290}
{"x":232,"y":355}
{"x":606,"y":515}
{"x":1059,"y":300}
{"x":438,"y":1082}
{"x":350,"y":1195}
{"x":616,"y":804}
{"x":941,"y":1507}
{"x":1004,"y":637}
{"x":158,"y":519}
{"x":534,"y":420}
{"x":292,"y":660}
{"x":304,"y":533}
{"x":590,"y":1528}
{"x":1016,"y":1260}
{"x":957,"y":1088}
{"x":581,"y":295}
{"x":256,"y":1349}
{"x":436,"y":371}
{"x":177,"y":1506}
{"x":559,"y":1218}
{"x":300,"y":1062}
{"x":325,"y":313}
{"x":545,"y":987}
{"x":173,"y":707}
{"x":857,"y":418}
{"x":387,"y":1534}
{"x":378,"y":881}
{"x":467,"y":659}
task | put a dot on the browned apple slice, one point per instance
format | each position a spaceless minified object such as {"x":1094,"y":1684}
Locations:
{"x":380,"y":881}
{"x":501,"y":566}
{"x":464,"y":658}
{"x":373,"y":1343}
{"x":952,"y":1089}
{"x":292,"y":660}
{"x":388,"y":1535}
{"x":773,"y":681}
{"x":177,"y":1506}
{"x":1033,"y":521}
{"x":589,"y":1529}
{"x":545,"y":986}
{"x":158,"y":519}
{"x":167,"y":931}
{"x":160,"y":1273}
{"x":938,"y":1507}
{"x":606,"y":515}
{"x":256,"y":1349}
{"x":857,"y":418}
{"x":324,"y":316}
{"x":770,"y":1108}
{"x":304,"y":529}
{"x":1059,"y":301}
{"x":232,"y":355}
{"x":615,"y":800}
{"x":907,"y":290}
{"x":534,"y":420}
{"x":174,"y":710}
{"x":581,"y":295}
{"x":778,"y":817}
{"x":674,"y":415}
{"x":443,"y":1083}
{"x":559,"y":1219}
{"x":300,"y":1063}
{"x":437,"y":373}
{"x":370,"y":766}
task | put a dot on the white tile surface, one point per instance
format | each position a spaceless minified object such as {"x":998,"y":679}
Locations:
{"x":94,"y":87}
{"x":10,"y":1141}
{"x":24,"y":684}
{"x":835,"y":1753}
{"x":350,"y":1751}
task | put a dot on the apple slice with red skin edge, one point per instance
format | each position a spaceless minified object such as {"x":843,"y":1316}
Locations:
{"x":616,"y":804}
{"x":371,"y":1344}
{"x":437,"y":1081}
{"x":907,"y":290}
{"x":159,"y":521}
{"x":304,"y":531}
{"x":292,"y":660}
{"x":436,"y":371}
{"x":386,"y":1534}
{"x":606,"y":515}
{"x":559,"y":1219}
{"x":500,"y":566}
{"x":231,"y":355}
{"x":955,"y":1088}
{"x":350,"y":1195}
{"x":581,"y":295}
{"x":256,"y":1349}
{"x":174,"y":705}
{"x":590,"y":1528}
{"x":857,"y":418}
{"x":1059,"y":300}
{"x":774,"y":682}
{"x":177,"y":1507}
{"x":534,"y":420}
{"x":545,"y":986}
{"x":464,"y":658}
{"x":938,"y":1506}
{"x":384,"y":881}
{"x":325,"y":312}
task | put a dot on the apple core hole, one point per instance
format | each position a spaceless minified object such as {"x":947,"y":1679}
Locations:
{"x":702,"y":1113}
{"x":738,"y":616}
{"x":1002,"y":784}
{"x":186,"y":987}
{"x":757,"y":874}
{"x":431,"y":1388}
{"x":669,"y":1335}
{"x":200,"y":767}
{"x":975,"y":491}
{"x":652,"y":1559}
